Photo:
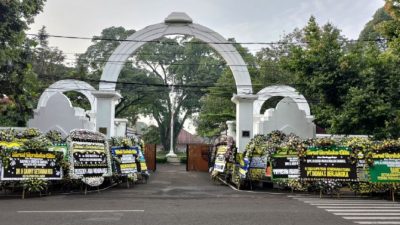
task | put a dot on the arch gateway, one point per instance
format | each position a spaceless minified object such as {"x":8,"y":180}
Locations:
{"x":177,"y":23}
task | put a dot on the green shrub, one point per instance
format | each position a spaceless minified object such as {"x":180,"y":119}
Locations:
{"x":161,"y":157}
{"x":183,"y":159}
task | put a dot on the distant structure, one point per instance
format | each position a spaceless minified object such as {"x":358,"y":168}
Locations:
{"x":58,"y":114}
{"x":291,"y":115}
{"x":288,"y":118}
{"x":63,"y":86}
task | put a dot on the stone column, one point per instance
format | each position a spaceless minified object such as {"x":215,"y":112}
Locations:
{"x":244,"y":119}
{"x":106,"y":101}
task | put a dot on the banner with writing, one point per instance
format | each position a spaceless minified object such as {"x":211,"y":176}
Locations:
{"x":285,"y":166}
{"x":90,"y":159}
{"x":125,"y":159}
{"x":220,"y":162}
{"x":31,"y":164}
{"x":386,"y":168}
{"x":324,"y":163}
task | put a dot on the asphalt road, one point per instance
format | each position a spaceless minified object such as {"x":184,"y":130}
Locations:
{"x":172,"y":196}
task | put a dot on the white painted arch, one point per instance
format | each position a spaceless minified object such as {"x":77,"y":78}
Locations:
{"x":284,"y":91}
{"x":69,"y":85}
{"x":176,"y":23}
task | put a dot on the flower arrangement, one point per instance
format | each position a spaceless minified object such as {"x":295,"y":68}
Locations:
{"x":40,"y":143}
{"x":54,"y":136}
{"x":7,"y":135}
{"x":124,"y":141}
{"x":31,"y":133}
{"x":87,"y":136}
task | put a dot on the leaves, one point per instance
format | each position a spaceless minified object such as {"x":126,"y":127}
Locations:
{"x":17,"y":81}
{"x":34,"y":185}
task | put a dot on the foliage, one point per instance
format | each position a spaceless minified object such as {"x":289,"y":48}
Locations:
{"x":293,"y":184}
{"x":95,"y":57}
{"x":371,"y":29}
{"x":216,"y":105}
{"x":124,"y":141}
{"x":187,"y":65}
{"x":148,"y":77}
{"x":54,"y":136}
{"x":31,"y":133}
{"x":352,"y":88}
{"x":48,"y":62}
{"x":34,"y":185}
{"x":39,"y":143}
{"x":17,"y":80}
{"x":328,"y":186}
{"x":361,"y":187}
{"x":151,"y":135}
{"x":7,"y":135}
{"x":161,"y":158}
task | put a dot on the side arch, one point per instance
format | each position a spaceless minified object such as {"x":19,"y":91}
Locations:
{"x":284,"y":91}
{"x":69,"y":85}
{"x":176,"y":23}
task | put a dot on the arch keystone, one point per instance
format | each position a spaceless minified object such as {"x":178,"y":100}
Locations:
{"x":178,"y":17}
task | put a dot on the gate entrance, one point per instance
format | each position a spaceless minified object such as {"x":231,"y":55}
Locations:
{"x":198,"y":157}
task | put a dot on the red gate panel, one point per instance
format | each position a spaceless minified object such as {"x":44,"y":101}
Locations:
{"x":197,"y":157}
{"x":150,"y":156}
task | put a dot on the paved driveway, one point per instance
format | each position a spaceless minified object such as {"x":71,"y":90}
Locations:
{"x":172,"y":196}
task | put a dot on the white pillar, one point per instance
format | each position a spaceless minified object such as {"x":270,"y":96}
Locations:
{"x":106,"y":101}
{"x":244,"y":119}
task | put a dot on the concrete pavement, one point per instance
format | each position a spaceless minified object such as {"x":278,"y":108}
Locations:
{"x":172,"y":196}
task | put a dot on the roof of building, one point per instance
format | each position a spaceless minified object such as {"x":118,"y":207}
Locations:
{"x":185,"y":137}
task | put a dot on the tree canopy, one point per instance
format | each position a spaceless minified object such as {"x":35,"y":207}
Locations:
{"x":18,"y":82}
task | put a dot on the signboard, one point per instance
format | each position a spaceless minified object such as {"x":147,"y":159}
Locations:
{"x":285,"y":166}
{"x":32,"y":164}
{"x":328,"y":163}
{"x":60,"y":148}
{"x":257,"y":168}
{"x":386,"y":168}
{"x":258,"y":162}
{"x":142,"y":161}
{"x":362,"y":170}
{"x":125,"y":159}
{"x":220,"y":162}
{"x":89,"y":159}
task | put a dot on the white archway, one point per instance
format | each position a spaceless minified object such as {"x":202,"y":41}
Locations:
{"x":69,"y":85}
{"x":283,"y":91}
{"x":177,"y":23}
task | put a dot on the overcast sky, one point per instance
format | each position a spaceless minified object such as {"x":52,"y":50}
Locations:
{"x":246,"y":21}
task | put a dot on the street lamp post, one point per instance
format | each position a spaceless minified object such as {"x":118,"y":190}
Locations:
{"x":171,"y":145}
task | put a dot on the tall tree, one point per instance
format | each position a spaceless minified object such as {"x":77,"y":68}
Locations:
{"x":316,"y":67}
{"x":353,"y":87}
{"x":91,"y":63}
{"x":146,"y":80}
{"x":371,"y":29}
{"x":216,"y":105}
{"x":48,"y":62}
{"x":17,"y":80}
{"x":185,"y":67}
